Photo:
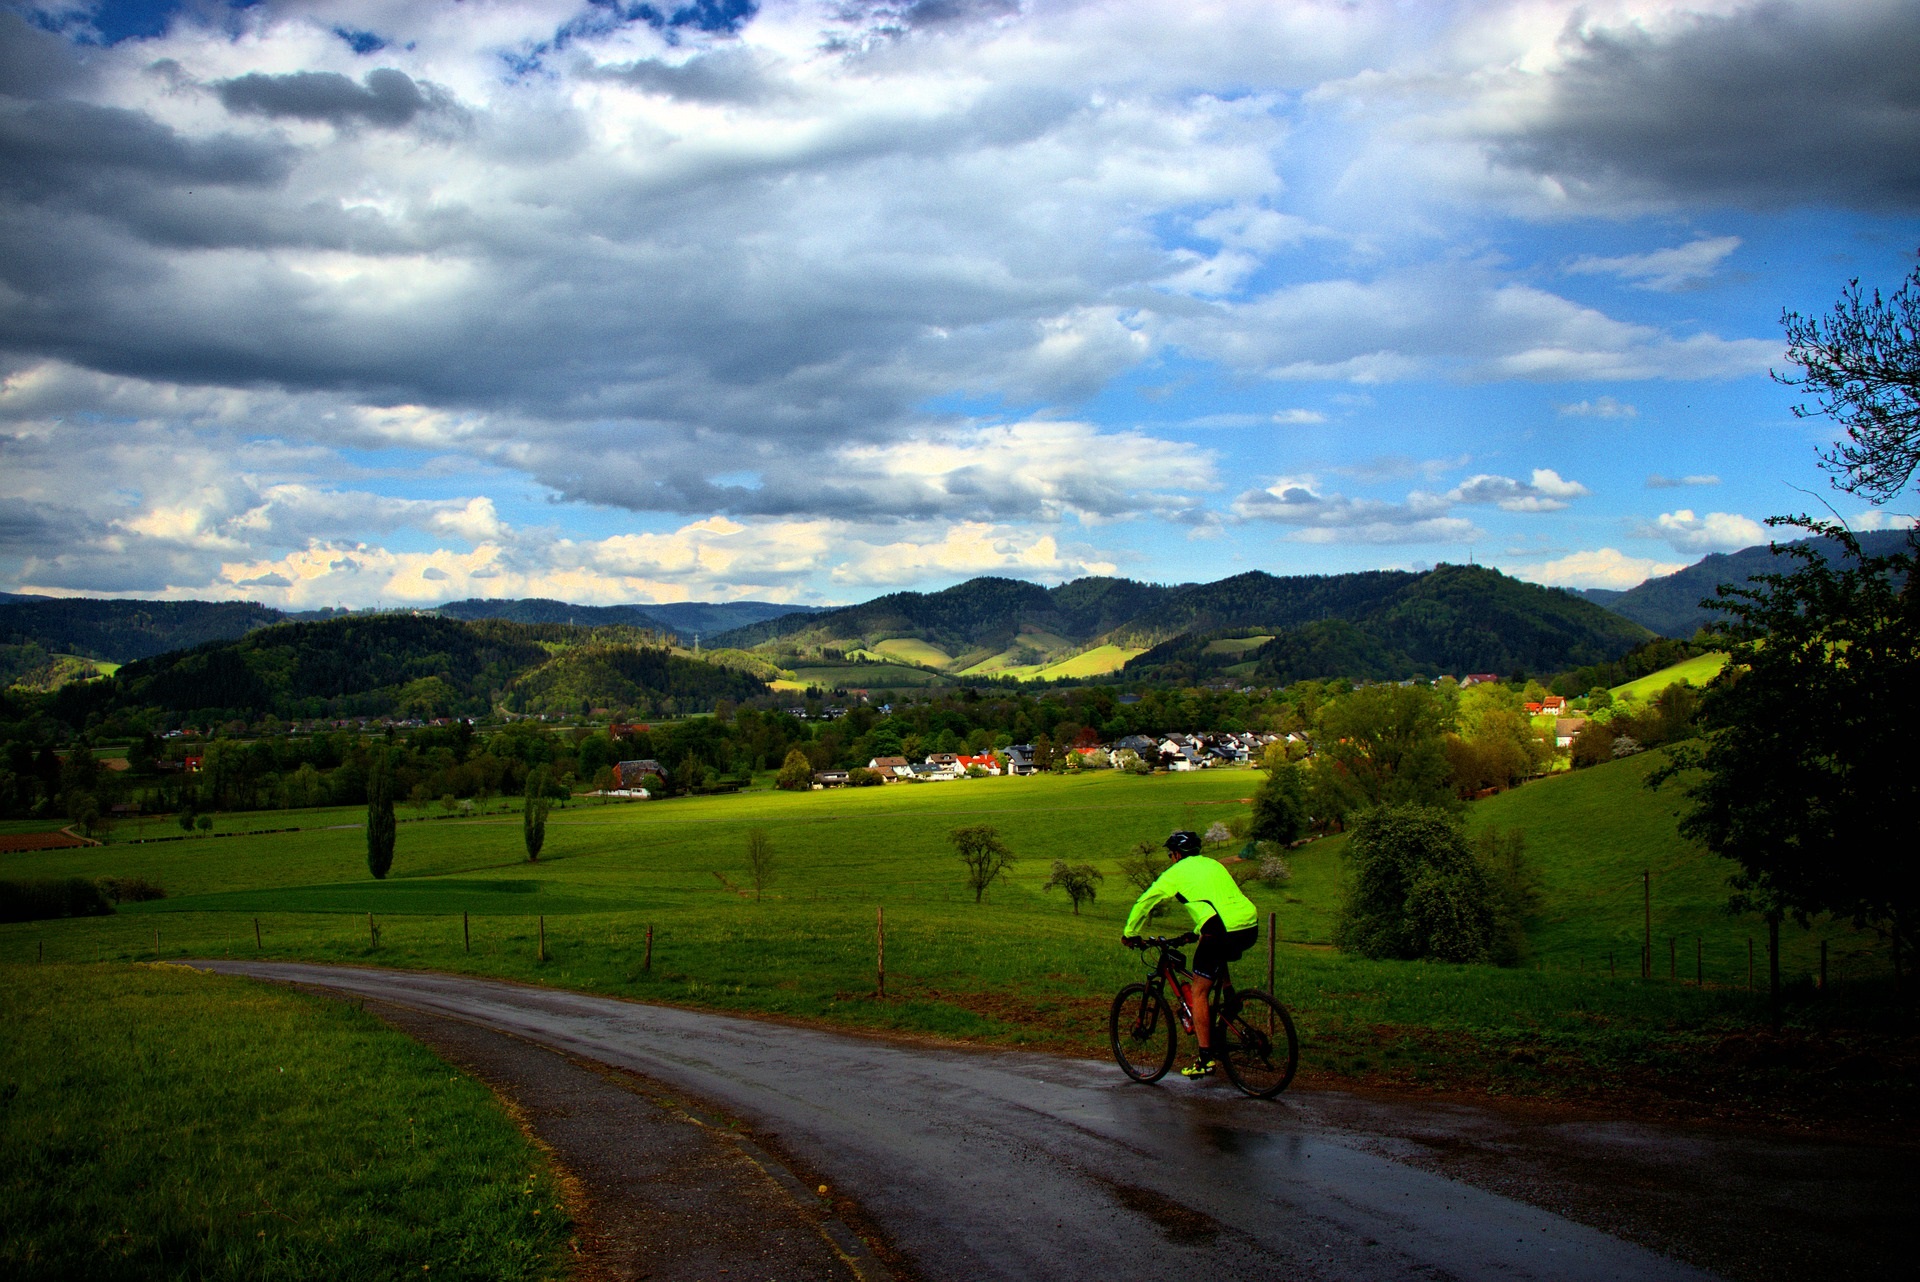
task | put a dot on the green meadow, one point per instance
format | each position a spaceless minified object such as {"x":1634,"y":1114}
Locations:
{"x":1696,"y":671}
{"x":1019,"y":968}
{"x":157,"y":1122}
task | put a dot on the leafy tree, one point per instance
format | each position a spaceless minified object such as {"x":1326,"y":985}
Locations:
{"x":533,"y":815}
{"x":759,"y":860}
{"x":1861,"y":364}
{"x":380,"y":824}
{"x":1390,"y":741}
{"x":1807,"y":776}
{"x":1279,"y":807}
{"x":796,"y":772}
{"x":1415,"y":890}
{"x":984,"y":854}
{"x":1076,"y":879}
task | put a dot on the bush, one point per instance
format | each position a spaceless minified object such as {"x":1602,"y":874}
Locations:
{"x":1279,"y":807}
{"x":1415,"y":890}
{"x":46,"y":900}
{"x":796,"y":773}
{"x":129,"y":890}
{"x":861,"y":777}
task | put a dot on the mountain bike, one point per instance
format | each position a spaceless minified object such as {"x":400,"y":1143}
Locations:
{"x":1253,"y":1034}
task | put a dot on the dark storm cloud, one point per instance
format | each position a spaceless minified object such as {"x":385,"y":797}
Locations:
{"x":388,"y":98}
{"x":34,"y":63}
{"x":1778,"y":104}
{"x":50,"y":143}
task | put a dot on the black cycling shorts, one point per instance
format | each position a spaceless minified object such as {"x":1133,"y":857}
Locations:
{"x":1218,"y":946}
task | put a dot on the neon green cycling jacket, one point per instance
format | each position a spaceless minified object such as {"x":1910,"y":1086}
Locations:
{"x":1204,"y":887}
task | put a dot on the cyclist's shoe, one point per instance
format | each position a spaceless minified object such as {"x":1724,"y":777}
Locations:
{"x":1201,"y":1067}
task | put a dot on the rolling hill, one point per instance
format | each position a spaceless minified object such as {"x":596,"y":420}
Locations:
{"x":415,"y":665}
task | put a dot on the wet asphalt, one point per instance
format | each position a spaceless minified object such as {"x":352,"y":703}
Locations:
{"x":980,"y":1163}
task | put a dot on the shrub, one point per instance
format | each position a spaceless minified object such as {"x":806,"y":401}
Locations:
{"x":1274,"y":870}
{"x":1279,"y":807}
{"x":861,"y":777}
{"x":1415,"y":890}
{"x":796,"y":772}
{"x":56,"y":897}
{"x":129,"y":890}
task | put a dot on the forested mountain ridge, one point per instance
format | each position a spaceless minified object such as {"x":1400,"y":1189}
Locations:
{"x":1453,"y":620}
{"x":1670,"y":605}
{"x":415,"y":666}
{"x":122,"y":631}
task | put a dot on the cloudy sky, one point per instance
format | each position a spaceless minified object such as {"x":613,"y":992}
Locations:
{"x":385,"y":301}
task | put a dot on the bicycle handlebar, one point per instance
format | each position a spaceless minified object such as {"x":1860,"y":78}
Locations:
{"x":1161,"y":941}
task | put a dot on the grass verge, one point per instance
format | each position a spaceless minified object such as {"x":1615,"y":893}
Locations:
{"x":157,"y":1122}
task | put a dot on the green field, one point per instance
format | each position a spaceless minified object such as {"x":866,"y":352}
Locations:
{"x":1096,"y":662}
{"x":1020,"y":968}
{"x":163,"y":1123}
{"x":1696,"y":671}
{"x":1236,"y":645}
{"x":864,"y":676}
{"x":913,"y":651}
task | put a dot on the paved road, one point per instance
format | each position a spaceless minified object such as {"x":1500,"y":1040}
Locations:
{"x":1000,"y":1164}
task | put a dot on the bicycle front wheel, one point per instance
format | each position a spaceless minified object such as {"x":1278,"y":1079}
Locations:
{"x":1140,"y":1026}
{"x":1259,"y":1047}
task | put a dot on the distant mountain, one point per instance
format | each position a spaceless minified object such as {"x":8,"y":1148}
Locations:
{"x":708,"y":618}
{"x":1670,"y":605}
{"x":1454,"y":619}
{"x":546,"y":610}
{"x":403,"y":664}
{"x":122,"y":631}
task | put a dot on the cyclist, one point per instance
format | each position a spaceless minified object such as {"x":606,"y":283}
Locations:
{"x":1226,"y":921}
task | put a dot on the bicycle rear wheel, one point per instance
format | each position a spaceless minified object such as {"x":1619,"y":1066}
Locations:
{"x":1258,"y":1045}
{"x":1141,"y":1028}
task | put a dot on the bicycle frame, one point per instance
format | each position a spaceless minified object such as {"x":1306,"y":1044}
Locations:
{"x":1171,"y":968}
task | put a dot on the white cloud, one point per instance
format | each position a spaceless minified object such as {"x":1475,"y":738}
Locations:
{"x":1667,"y":270}
{"x":1599,"y":407}
{"x":1599,"y":568}
{"x":1335,"y":518}
{"x":1714,"y":532}
{"x":1659,"y":482}
{"x":1879,"y":519}
{"x":1545,"y":492}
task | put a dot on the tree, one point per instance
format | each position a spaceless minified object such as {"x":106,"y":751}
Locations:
{"x":796,"y":772}
{"x":1806,"y":772}
{"x":1279,"y":807}
{"x":380,"y":826}
{"x":984,"y":854}
{"x":1861,"y":364}
{"x":759,"y":860}
{"x":1076,"y":879}
{"x":1415,"y":890}
{"x":533,"y":815}
{"x":1390,"y":742}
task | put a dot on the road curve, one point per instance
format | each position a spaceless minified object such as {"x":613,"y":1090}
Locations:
{"x":1006,"y":1164}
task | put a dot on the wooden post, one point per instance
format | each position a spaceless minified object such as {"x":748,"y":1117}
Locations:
{"x":43,"y":950}
{"x":373,"y":936}
{"x":1273,"y":935}
{"x":647,"y":963}
{"x":466,"y":932}
{"x":542,"y":919}
{"x":1773,"y":971}
{"x":1823,"y":965}
{"x":1646,"y":937}
{"x":156,"y":942}
{"x":256,"y":934}
{"x":880,"y":942}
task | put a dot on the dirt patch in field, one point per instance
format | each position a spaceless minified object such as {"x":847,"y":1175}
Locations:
{"x":21,"y":841}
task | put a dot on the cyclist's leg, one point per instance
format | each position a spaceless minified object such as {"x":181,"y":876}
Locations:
{"x":1208,"y":968}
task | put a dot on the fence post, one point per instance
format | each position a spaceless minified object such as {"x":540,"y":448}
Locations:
{"x":466,"y":932}
{"x":1646,"y":937}
{"x":156,"y":943}
{"x":542,"y":919}
{"x":256,"y":934}
{"x":647,"y":962}
{"x":1273,"y":936}
{"x":880,"y":942}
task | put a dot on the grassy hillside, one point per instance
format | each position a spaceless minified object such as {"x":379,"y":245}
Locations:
{"x":227,"y":1129}
{"x":1018,"y":969}
{"x":1694,"y":672}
